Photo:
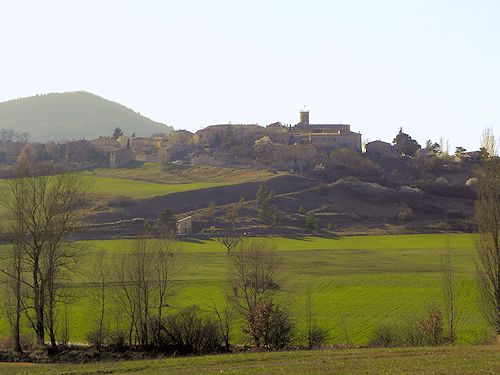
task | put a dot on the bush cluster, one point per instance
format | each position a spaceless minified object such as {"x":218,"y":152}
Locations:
{"x":270,"y":326}
{"x":427,"y":331}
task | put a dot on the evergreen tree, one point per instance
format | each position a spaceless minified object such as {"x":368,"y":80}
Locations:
{"x":405,"y":145}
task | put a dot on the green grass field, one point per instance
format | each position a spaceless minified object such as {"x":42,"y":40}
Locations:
{"x":153,"y":172}
{"x":357,"y":282}
{"x":109,"y":186}
{"x":149,"y":180}
{"x":442,"y":360}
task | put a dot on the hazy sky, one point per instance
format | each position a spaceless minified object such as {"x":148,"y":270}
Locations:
{"x":432,"y":67}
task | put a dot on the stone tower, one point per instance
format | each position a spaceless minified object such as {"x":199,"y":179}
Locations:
{"x":304,"y":117}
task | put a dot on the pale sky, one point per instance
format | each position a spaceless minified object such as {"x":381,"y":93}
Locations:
{"x":432,"y":67}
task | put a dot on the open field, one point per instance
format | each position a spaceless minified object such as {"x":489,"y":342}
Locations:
{"x":110,"y":186}
{"x":153,"y":172}
{"x":441,"y":360}
{"x":357,"y":282}
{"x":149,"y":180}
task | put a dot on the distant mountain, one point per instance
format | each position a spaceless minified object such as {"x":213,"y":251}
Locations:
{"x":73,"y":115}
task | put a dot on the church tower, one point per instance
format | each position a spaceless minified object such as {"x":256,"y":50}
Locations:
{"x":304,"y":117}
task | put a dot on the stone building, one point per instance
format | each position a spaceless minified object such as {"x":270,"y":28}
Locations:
{"x":105,"y":145}
{"x":184,"y":226}
{"x":121,"y":157}
{"x":293,"y":157}
{"x":213,"y":135}
{"x":79,"y":151}
{"x":325,"y":136}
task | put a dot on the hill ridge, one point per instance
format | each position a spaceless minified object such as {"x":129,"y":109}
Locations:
{"x":73,"y":115}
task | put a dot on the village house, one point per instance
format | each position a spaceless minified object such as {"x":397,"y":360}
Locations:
{"x":121,"y":157}
{"x":213,"y":135}
{"x":79,"y":151}
{"x":184,"y":226}
{"x":324,"y":136}
{"x":105,"y":145}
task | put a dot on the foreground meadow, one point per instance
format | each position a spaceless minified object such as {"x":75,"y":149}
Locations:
{"x":357,"y":283}
{"x":441,"y":360}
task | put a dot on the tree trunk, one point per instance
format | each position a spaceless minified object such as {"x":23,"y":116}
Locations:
{"x":38,"y":302}
{"x":18,"y":294}
{"x":17,"y":324}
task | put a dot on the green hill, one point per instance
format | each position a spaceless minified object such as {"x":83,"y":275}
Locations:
{"x":73,"y":115}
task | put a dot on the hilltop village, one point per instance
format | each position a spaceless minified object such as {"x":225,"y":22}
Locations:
{"x":322,"y":170}
{"x":243,"y":145}
{"x":287,"y":147}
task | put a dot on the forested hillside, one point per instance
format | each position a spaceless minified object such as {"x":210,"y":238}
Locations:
{"x":73,"y":115}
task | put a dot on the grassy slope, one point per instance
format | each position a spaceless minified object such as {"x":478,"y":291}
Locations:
{"x":152,"y":172}
{"x":357,"y":282}
{"x":108,"y":186}
{"x":444,"y":360}
{"x":149,"y":180}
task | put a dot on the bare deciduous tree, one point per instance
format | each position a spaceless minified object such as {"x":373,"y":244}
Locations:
{"x":100,"y":278}
{"x":230,"y":239}
{"x":488,"y":238}
{"x":13,"y":293}
{"x":43,"y":212}
{"x":254,"y":269}
{"x":163,"y":250}
{"x":450,"y":290}
{"x":143,"y":286}
{"x":225,"y":319}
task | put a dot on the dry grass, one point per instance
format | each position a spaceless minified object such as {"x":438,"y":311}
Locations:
{"x":441,"y":360}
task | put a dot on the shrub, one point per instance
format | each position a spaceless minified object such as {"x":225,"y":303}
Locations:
{"x":447,"y":190}
{"x":117,"y":341}
{"x":121,"y":201}
{"x":351,"y":162}
{"x":442,"y":225}
{"x":280,"y":330}
{"x":167,"y":220}
{"x":405,"y":213}
{"x":432,"y":327}
{"x":330,"y":227}
{"x":415,"y":332}
{"x":210,"y":209}
{"x":189,"y":332}
{"x":409,"y":190}
{"x":311,"y":221}
{"x":211,"y":340}
{"x":385,"y":336}
{"x":27,"y":341}
{"x":317,"y":337}
{"x":321,"y":188}
{"x":96,"y":339}
{"x":442,"y":181}
{"x":411,"y":334}
{"x":269,"y":325}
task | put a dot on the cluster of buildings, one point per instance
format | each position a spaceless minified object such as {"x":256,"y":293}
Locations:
{"x":278,"y":145}
{"x":291,"y":147}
